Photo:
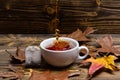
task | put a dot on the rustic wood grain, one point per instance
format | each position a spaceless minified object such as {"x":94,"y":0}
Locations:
{"x":34,"y":16}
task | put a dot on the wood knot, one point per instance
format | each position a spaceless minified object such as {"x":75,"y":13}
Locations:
{"x":98,"y":3}
{"x":49,"y":10}
{"x":7,"y":6}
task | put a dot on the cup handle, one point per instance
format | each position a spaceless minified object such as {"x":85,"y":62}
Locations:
{"x":87,"y":52}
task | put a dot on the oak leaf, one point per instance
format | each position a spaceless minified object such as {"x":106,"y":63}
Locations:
{"x":107,"y":45}
{"x":17,"y":70}
{"x":61,"y":75}
{"x":45,"y":75}
{"x":20,"y":54}
{"x":14,"y":73}
{"x":79,"y":35}
{"x":98,"y":63}
{"x":52,"y":75}
{"x":7,"y":74}
{"x":19,"y":57}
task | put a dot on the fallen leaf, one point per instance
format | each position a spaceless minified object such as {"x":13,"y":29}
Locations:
{"x":98,"y":63}
{"x":15,"y":73}
{"x":88,"y":31}
{"x":95,"y":65}
{"x":20,"y":54}
{"x":106,"y":44}
{"x":45,"y":75}
{"x":64,"y":75}
{"x":18,"y":71}
{"x":61,"y":75}
{"x":53,"y":75}
{"x":19,"y":57}
{"x":79,"y":35}
{"x":7,"y":74}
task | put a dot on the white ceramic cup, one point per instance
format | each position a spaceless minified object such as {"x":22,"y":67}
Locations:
{"x":65,"y":57}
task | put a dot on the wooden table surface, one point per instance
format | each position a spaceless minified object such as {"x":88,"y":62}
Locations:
{"x":10,"y":42}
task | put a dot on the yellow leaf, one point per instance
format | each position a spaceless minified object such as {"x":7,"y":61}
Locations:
{"x":107,"y":61}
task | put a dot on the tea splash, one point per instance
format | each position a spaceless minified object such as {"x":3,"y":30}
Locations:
{"x":60,"y":45}
{"x":57,"y":31}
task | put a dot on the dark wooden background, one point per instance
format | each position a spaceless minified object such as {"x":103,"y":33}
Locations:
{"x":37,"y":16}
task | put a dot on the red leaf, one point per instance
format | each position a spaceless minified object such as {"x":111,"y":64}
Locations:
{"x":95,"y":67}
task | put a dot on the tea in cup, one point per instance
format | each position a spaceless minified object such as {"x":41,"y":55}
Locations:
{"x":62,"y":56}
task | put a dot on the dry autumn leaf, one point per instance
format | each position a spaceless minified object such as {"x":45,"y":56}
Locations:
{"x":7,"y":74}
{"x":20,"y":54}
{"x":79,"y":35}
{"x":19,"y":57}
{"x":51,"y":75}
{"x":106,"y":44}
{"x":88,"y":31}
{"x":18,"y":71}
{"x":45,"y":75}
{"x":61,"y":75}
{"x":14,"y":73}
{"x":98,"y":63}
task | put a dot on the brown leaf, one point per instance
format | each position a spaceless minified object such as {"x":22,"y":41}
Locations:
{"x":48,"y":75}
{"x":106,"y":44}
{"x":62,"y":75}
{"x":17,"y":70}
{"x":79,"y":35}
{"x":14,"y":73}
{"x":20,"y":54}
{"x":7,"y":74}
{"x":19,"y":57}
{"x":45,"y":75}
{"x":88,"y":31}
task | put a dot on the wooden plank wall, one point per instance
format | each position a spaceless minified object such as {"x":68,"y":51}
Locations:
{"x":37,"y":16}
